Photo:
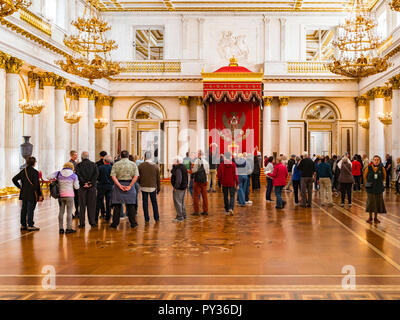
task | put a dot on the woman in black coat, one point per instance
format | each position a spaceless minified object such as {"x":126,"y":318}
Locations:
{"x":30,"y":193}
{"x":255,"y":176}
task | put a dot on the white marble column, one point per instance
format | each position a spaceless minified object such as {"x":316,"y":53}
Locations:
{"x":171,"y":128}
{"x":13,"y":121}
{"x":106,"y":131}
{"x":395,"y":124}
{"x":200,"y":125}
{"x":283,"y":38}
{"x":362,"y":134}
{"x":183,"y":125}
{"x":377,"y":129}
{"x":47,"y":161}
{"x":91,"y":128}
{"x":283,"y":126}
{"x":61,"y":127}
{"x":83,"y":128}
{"x":267,"y":127}
{"x":267,"y":41}
{"x":200,"y":35}
{"x":3,"y":60}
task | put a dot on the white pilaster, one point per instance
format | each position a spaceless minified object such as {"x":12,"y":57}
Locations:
{"x":61,"y":129}
{"x":106,"y":131}
{"x":395,"y":126}
{"x":171,"y":128}
{"x":283,"y":126}
{"x":361,"y":103}
{"x":377,"y":141}
{"x":91,"y":128}
{"x":83,"y":128}
{"x":2,"y":123}
{"x":47,"y":161}
{"x":200,"y":124}
{"x":267,"y":127}
{"x":283,"y":38}
{"x":183,"y":125}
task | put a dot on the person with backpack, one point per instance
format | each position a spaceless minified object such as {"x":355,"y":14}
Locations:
{"x":179,"y":181}
{"x":200,"y":171}
{"x":66,"y":182}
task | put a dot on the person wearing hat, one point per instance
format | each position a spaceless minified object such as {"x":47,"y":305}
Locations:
{"x":68,"y":181}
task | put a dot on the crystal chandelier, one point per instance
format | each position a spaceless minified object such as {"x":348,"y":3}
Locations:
{"x":91,"y":58}
{"x":31,"y":105}
{"x":386,"y":118}
{"x":100,"y":123}
{"x":8,"y":7}
{"x":357,"y":43}
{"x":364,"y":122}
{"x":72,"y":114}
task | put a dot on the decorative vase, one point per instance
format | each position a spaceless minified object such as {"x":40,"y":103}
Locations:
{"x":26,"y":148}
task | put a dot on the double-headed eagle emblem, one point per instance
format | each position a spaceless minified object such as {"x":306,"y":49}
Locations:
{"x":233,"y":130}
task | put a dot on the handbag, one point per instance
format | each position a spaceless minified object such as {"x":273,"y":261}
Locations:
{"x":55,"y":187}
{"x":38,"y":198}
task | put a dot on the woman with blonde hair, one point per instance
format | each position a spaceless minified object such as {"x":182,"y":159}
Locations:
{"x":68,"y":181}
{"x":374,"y":177}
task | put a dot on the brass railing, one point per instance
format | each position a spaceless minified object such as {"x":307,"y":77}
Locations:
{"x":35,"y":21}
{"x":307,"y":67}
{"x":150,"y":66}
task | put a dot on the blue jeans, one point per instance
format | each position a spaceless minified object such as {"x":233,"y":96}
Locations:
{"x":269,"y":189}
{"x":278,"y":194}
{"x":153,"y":198}
{"x":28,"y":207}
{"x":247,"y":191}
{"x":242,"y":189}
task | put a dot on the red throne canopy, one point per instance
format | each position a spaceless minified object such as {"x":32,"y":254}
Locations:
{"x":233,"y":97}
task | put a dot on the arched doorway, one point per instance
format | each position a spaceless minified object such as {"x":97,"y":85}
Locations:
{"x":147,"y":127}
{"x":322,"y":127}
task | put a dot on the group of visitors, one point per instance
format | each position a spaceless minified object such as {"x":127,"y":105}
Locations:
{"x":114,"y":184}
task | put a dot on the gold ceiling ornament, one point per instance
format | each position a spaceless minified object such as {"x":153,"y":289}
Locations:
{"x":100,"y":123}
{"x":31,"y":105}
{"x":92,"y":51}
{"x":395,"y":5}
{"x":8,"y":7}
{"x":357,"y":43}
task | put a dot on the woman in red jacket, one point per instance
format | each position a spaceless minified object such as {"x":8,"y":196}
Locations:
{"x":279,"y":176}
{"x":228,"y":175}
{"x":356,"y":172}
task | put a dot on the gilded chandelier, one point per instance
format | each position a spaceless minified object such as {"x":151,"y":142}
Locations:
{"x":91,"y":58}
{"x":8,"y":7}
{"x":357,"y":43}
{"x":31,"y":104}
{"x":395,"y":5}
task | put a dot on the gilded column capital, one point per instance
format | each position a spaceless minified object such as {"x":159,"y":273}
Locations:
{"x":105,"y":100}
{"x":361,"y":100}
{"x":395,"y":81}
{"x":13,"y":65}
{"x":32,"y":78}
{"x":83,"y":92}
{"x":60,"y":83}
{"x":283,"y":101}
{"x":183,"y":101}
{"x":379,"y":92}
{"x":267,"y":100}
{"x":92,"y":94}
{"x":69,"y":92}
{"x":3,"y":60}
{"x":388,"y":94}
{"x":48,"y":79}
{"x":198,"y":100}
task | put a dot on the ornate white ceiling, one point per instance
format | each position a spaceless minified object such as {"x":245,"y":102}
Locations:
{"x":230,"y":5}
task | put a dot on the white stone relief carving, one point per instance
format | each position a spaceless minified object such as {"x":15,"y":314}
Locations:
{"x":231,"y":44}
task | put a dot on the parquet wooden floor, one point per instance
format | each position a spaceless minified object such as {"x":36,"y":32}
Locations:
{"x":259,"y":253}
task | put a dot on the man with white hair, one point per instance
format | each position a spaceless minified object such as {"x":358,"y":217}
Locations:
{"x":87,"y":173}
{"x":179,"y":181}
{"x":200,"y":171}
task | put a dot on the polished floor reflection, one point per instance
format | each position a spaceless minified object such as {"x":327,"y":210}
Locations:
{"x":259,"y":253}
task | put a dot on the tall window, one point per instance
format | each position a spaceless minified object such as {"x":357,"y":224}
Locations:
{"x":382,"y":25}
{"x":149,"y":43}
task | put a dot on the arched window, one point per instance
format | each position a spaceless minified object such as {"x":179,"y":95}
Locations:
{"x":148,"y":111}
{"x":320,"y":111}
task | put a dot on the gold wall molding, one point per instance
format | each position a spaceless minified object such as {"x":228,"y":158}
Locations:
{"x":283,"y":101}
{"x":198,"y":100}
{"x":105,"y":100}
{"x":395,"y":81}
{"x":13,"y":65}
{"x":156,"y":79}
{"x":3,"y":60}
{"x":35,"y":21}
{"x":307,"y":67}
{"x":150,"y":66}
{"x":83,"y":92}
{"x":267,"y":100}
{"x":32,"y":78}
{"x":92,"y":94}
{"x":379,"y":92}
{"x":60,"y":83}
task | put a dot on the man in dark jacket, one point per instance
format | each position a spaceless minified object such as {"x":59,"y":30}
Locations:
{"x":227,"y":174}
{"x":290,"y":165}
{"x":87,"y":172}
{"x":307,"y":168}
{"x":149,"y":181}
{"x":179,"y":180}
{"x":101,"y":161}
{"x":74,"y":160}
{"x":104,"y":189}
